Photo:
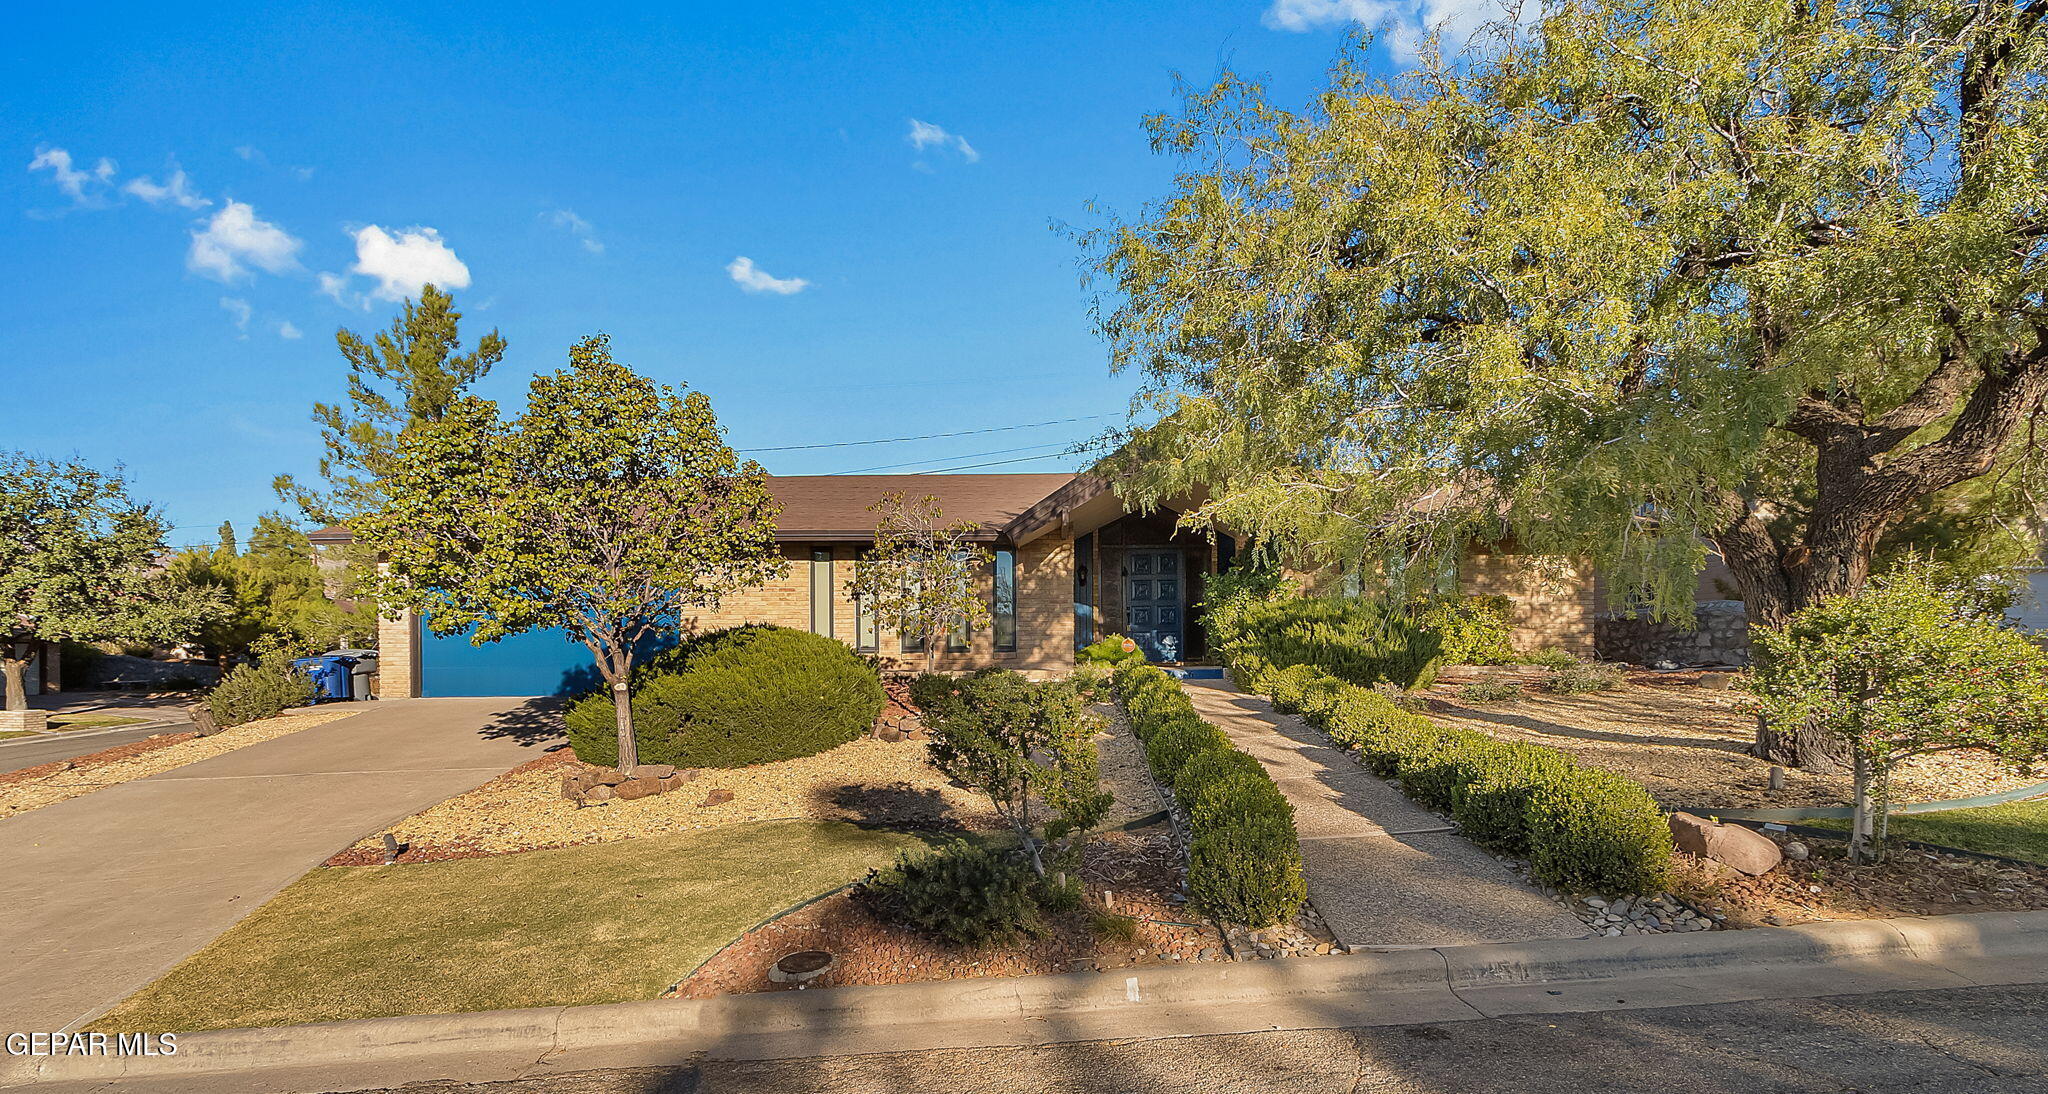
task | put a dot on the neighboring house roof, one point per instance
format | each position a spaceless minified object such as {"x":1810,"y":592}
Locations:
{"x":824,"y":507}
{"x":835,"y":507}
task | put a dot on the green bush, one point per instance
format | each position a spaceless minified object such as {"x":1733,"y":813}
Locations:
{"x":1244,"y":858}
{"x":1091,"y":679}
{"x":1489,"y":691}
{"x":1357,"y":641}
{"x":1580,"y":677}
{"x":253,"y":692}
{"x":745,"y":696}
{"x":963,"y":894}
{"x":931,"y":690}
{"x":1596,"y":831}
{"x":1493,"y":807}
{"x":1473,"y":629}
{"x":1112,"y":650}
{"x":1549,"y":658}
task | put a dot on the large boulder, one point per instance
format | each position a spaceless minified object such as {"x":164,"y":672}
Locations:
{"x":1750,"y":852}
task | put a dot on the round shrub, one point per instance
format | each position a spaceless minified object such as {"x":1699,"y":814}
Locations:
{"x":1174,"y":743}
{"x":254,"y":692}
{"x":1493,"y":808}
{"x":963,"y":894}
{"x":1247,"y":871}
{"x":1218,"y":785}
{"x":746,"y":696}
{"x":1593,"y":831}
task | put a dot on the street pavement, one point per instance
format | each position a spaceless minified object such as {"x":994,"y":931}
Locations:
{"x":1956,"y":1041}
{"x":35,"y":751}
{"x":107,"y":891}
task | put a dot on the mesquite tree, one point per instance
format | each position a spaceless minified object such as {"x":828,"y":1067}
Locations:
{"x":611,"y":508}
{"x":1636,"y":279}
{"x":78,"y":563}
{"x":922,"y":577}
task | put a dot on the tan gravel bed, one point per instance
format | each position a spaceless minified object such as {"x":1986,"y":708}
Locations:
{"x":1125,"y":772}
{"x":1688,"y":746}
{"x":68,"y":779}
{"x":868,"y":781}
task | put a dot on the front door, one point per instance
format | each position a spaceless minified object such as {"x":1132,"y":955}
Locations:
{"x":1152,"y":602}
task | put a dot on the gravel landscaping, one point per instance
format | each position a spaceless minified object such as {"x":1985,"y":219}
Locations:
{"x":1824,"y":886}
{"x":47,"y":784}
{"x":1687,"y":744}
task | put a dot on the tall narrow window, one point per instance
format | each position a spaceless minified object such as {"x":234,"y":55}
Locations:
{"x":1084,"y":610}
{"x":867,"y":637}
{"x":913,"y":643}
{"x":1004,"y":605}
{"x":821,"y":591}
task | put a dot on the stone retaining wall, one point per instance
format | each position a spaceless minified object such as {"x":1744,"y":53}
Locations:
{"x":1720,"y":638}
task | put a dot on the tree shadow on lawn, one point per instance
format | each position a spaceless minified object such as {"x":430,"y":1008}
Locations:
{"x":899,"y":806}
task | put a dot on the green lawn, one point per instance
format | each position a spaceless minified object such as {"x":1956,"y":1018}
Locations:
{"x":2014,"y":830}
{"x":568,"y":926}
{"x":68,"y":722}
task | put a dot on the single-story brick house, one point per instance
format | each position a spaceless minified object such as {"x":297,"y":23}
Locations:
{"x":1070,"y":564}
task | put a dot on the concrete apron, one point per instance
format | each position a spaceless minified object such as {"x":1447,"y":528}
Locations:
{"x":1440,"y":984}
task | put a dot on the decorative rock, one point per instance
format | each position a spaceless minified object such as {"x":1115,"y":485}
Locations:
{"x":654,"y":771}
{"x":602,"y":792}
{"x":669,"y":782}
{"x":715,"y":798}
{"x":633,"y":789}
{"x":1797,"y":851}
{"x":607,"y":776}
{"x":1747,"y":851}
{"x":1717,"y":681}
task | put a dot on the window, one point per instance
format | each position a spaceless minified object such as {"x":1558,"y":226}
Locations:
{"x":821,"y":591}
{"x":1084,"y":611}
{"x":1005,"y":600}
{"x":867,"y":636}
{"x":913,"y":643}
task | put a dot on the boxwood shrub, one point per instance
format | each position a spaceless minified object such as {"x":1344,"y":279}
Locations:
{"x":1584,"y":829}
{"x":1244,"y":858}
{"x":1356,"y":640}
{"x":750,"y":695}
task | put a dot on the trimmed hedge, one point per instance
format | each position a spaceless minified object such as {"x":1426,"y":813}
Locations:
{"x":1357,"y":641}
{"x":1244,"y":858}
{"x":748,"y":695}
{"x":1584,"y":829}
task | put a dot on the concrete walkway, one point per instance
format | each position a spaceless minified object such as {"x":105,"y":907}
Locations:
{"x":106,"y":892}
{"x":1382,"y":870}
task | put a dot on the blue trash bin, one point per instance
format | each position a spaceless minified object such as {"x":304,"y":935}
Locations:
{"x":330,"y":676}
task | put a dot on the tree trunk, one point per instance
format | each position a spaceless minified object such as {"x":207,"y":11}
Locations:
{"x":1864,"y":845}
{"x":629,"y":748}
{"x":1806,"y":746}
{"x":16,"y":671}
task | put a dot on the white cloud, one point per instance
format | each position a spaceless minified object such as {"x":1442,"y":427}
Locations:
{"x":752,"y":279}
{"x":403,"y":262}
{"x":240,"y":309}
{"x":289,"y":332}
{"x":235,"y":239}
{"x":1404,"y":22}
{"x":252,"y":154}
{"x":925,"y":135}
{"x":82,"y":186}
{"x":176,"y":190}
{"x":567,"y":220}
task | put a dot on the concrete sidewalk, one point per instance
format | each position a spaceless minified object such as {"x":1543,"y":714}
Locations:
{"x":1451,"y":984}
{"x":1382,"y":870}
{"x":106,"y":892}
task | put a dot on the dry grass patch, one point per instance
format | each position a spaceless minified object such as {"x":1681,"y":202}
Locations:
{"x":52,"y":783}
{"x":1688,"y":746}
{"x":563,"y":927}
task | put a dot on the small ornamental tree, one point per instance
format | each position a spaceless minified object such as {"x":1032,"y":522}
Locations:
{"x":611,"y":508}
{"x":78,"y":563}
{"x":1022,"y":744}
{"x":1902,"y":669}
{"x":920,"y":579}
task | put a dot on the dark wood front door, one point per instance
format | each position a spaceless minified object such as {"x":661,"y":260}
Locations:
{"x":1153,"y":611}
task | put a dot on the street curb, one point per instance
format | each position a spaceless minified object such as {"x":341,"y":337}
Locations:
{"x":1439,"y":984}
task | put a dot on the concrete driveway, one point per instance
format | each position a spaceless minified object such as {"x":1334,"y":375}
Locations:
{"x":105,"y":892}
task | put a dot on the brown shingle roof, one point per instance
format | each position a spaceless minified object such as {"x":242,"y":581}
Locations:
{"x":824,"y":507}
{"x":835,"y":507}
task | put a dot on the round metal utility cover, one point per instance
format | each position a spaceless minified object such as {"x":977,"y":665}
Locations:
{"x":801,"y":966}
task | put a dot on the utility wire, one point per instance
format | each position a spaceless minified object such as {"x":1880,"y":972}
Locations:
{"x":961,"y":456}
{"x":926,"y":437}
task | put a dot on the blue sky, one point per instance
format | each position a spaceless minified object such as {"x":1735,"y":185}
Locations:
{"x":835,"y":219}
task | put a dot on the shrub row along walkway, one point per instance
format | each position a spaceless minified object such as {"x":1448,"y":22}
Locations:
{"x":1382,"y":870}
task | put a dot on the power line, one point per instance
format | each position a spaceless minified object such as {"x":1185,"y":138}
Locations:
{"x":961,"y":456}
{"x":927,"y":436}
{"x":996,"y":463}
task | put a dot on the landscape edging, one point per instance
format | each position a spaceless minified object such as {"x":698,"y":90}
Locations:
{"x":1491,"y":978}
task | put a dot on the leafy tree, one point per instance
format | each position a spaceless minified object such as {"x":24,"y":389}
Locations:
{"x":1903,"y":668}
{"x":78,"y":563}
{"x":1019,"y":743}
{"x":1642,"y":277}
{"x":411,"y":373}
{"x":276,"y":594}
{"x":610,"y":508}
{"x":920,"y":578}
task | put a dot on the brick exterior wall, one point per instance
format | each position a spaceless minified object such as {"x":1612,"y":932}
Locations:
{"x":398,"y":657}
{"x":1554,"y":598}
